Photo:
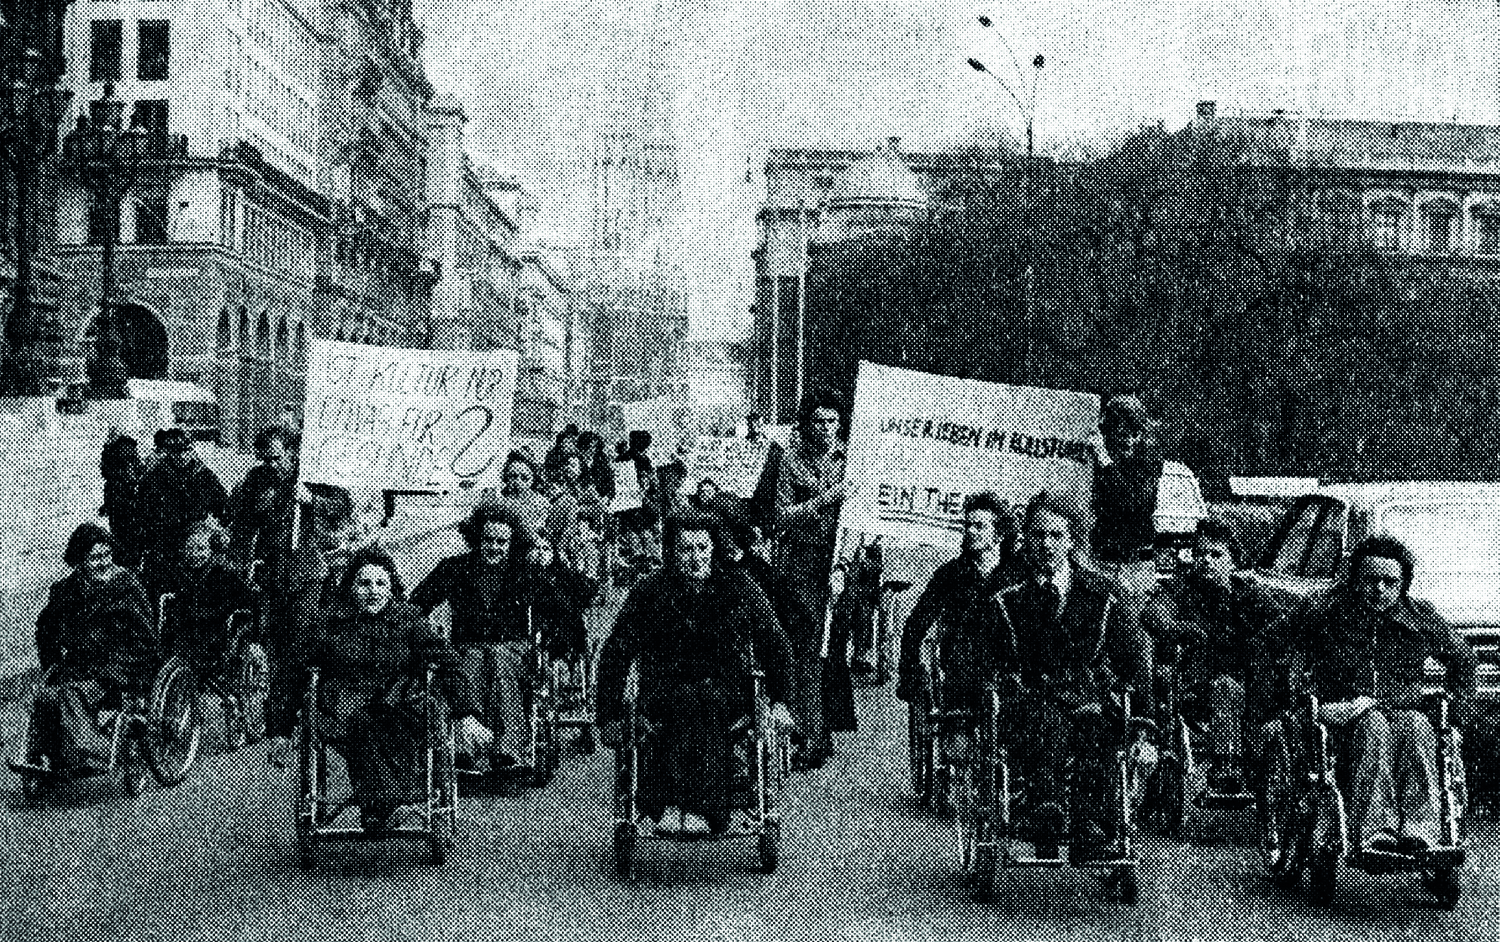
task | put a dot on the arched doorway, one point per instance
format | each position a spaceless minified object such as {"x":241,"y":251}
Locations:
{"x":143,"y":342}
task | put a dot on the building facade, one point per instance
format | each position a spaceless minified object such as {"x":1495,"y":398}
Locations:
{"x":278,"y":195}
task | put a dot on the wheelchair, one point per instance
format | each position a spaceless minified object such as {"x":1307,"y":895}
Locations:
{"x":931,"y":728}
{"x":1182,"y":783}
{"x":174,"y":718}
{"x":124,"y":726}
{"x":317,"y":808}
{"x":985,"y":820}
{"x":573,"y":692}
{"x":1301,"y":809}
{"x":542,"y":693}
{"x":756,"y":788}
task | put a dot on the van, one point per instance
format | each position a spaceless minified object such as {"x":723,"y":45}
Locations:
{"x":164,"y":403}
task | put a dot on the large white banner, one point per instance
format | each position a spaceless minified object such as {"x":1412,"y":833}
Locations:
{"x":398,"y":419}
{"x":734,"y":464}
{"x":920,"y":443}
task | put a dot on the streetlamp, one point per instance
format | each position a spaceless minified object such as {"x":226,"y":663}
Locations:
{"x":106,"y":159}
{"x":32,"y":109}
{"x":1028,"y":115}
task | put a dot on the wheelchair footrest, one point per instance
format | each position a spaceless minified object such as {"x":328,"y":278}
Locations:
{"x":1207,"y":800}
{"x":1019,"y":863}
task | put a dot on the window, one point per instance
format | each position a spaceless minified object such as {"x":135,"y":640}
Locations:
{"x":104,"y":50}
{"x":155,"y":50}
{"x":1385,"y":227}
{"x":1437,"y":225}
{"x":151,"y":114}
{"x":151,"y":217}
{"x":100,"y":225}
{"x":1489,"y":233}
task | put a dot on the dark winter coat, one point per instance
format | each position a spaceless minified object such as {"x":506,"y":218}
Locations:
{"x":169,"y":499}
{"x":106,"y":630}
{"x":719,"y":633}
{"x":959,"y":597}
{"x":1125,"y":508}
{"x":492,"y":608}
{"x":197,"y":617}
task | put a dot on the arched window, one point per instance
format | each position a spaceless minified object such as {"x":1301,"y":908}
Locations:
{"x":282,"y":338}
{"x":225,"y":334}
{"x":1439,"y":218}
{"x":1387,"y":220}
{"x":263,"y":336}
{"x":299,"y":354}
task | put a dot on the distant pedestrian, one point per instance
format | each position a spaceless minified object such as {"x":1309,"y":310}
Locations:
{"x":178,"y":491}
{"x":1126,"y":479}
{"x":121,"y":468}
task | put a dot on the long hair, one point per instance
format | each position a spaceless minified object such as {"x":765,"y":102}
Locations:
{"x":472,"y":529}
{"x":84,"y":539}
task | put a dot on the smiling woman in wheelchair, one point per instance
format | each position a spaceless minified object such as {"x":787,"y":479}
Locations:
{"x":370,"y":654}
{"x":94,"y":640}
{"x":697,"y":632}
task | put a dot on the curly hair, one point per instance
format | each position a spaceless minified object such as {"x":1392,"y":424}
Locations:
{"x":1383,"y":546}
{"x":990,"y":502}
{"x":372,"y":555}
{"x":472,"y":529}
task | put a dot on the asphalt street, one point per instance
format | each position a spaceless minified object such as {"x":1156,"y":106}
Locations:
{"x":214,"y":858}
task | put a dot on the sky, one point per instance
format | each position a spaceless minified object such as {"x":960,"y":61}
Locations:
{"x":535,"y":76}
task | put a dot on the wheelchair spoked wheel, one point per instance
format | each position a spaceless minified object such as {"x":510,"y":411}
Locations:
{"x":1322,"y":876}
{"x":1174,"y":793}
{"x":442,"y":821}
{"x":1286,"y":814}
{"x":624,"y":849}
{"x":918,"y":738}
{"x":252,"y":685}
{"x":1124,"y":885}
{"x":174,"y":725}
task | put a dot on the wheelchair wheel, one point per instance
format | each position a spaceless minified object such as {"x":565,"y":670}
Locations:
{"x":32,"y":788}
{"x":770,"y":846}
{"x":174,"y":725}
{"x":133,"y":781}
{"x":918,"y":735}
{"x":310,"y":782}
{"x":1286,"y":813}
{"x":251,"y":688}
{"x":1173,"y":797}
{"x":1322,"y":876}
{"x":1445,"y":884}
{"x":624,"y":848}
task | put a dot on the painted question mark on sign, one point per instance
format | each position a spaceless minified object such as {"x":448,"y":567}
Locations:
{"x":458,"y":456}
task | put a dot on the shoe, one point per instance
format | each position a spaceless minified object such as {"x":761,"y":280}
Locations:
{"x":1090,"y":845}
{"x":375,"y":817}
{"x":1226,"y":781}
{"x":1047,"y":825}
{"x":694,"y":825}
{"x":670,"y":822}
{"x":1413,"y":845}
{"x":1384,"y":843}
{"x":502,"y":760}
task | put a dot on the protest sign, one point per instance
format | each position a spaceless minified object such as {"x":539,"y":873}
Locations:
{"x":397,"y":419}
{"x":920,"y":443}
{"x":627,"y":487}
{"x":734,"y":464}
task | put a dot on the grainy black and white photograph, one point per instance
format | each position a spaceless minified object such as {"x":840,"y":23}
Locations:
{"x":870,"y":471}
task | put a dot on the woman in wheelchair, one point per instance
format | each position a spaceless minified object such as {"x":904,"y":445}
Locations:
{"x":94,"y":642}
{"x":697,"y":632}
{"x":1364,"y":649}
{"x":497,"y":598}
{"x":205,"y":593}
{"x":372,"y":646}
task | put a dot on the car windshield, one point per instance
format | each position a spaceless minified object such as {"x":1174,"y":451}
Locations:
{"x":1447,"y":536}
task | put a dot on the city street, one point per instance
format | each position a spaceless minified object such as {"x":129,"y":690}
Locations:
{"x":214,"y":858}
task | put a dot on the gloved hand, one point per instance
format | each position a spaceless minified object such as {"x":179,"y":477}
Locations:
{"x":279,"y":751}
{"x":1341,"y":712}
{"x":781,"y":717}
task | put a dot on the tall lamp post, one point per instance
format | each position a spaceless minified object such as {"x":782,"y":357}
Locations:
{"x":32,"y":109}
{"x":106,"y":159}
{"x":1027,"y":109}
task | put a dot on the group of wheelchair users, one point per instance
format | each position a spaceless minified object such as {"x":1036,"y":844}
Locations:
{"x":1081,"y":674}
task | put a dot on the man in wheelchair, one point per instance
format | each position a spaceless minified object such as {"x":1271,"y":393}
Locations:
{"x":95,"y":647}
{"x":966,"y":587}
{"x":1060,"y":650}
{"x":1208,"y":628}
{"x":697,"y":631}
{"x":1364,"y":648}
